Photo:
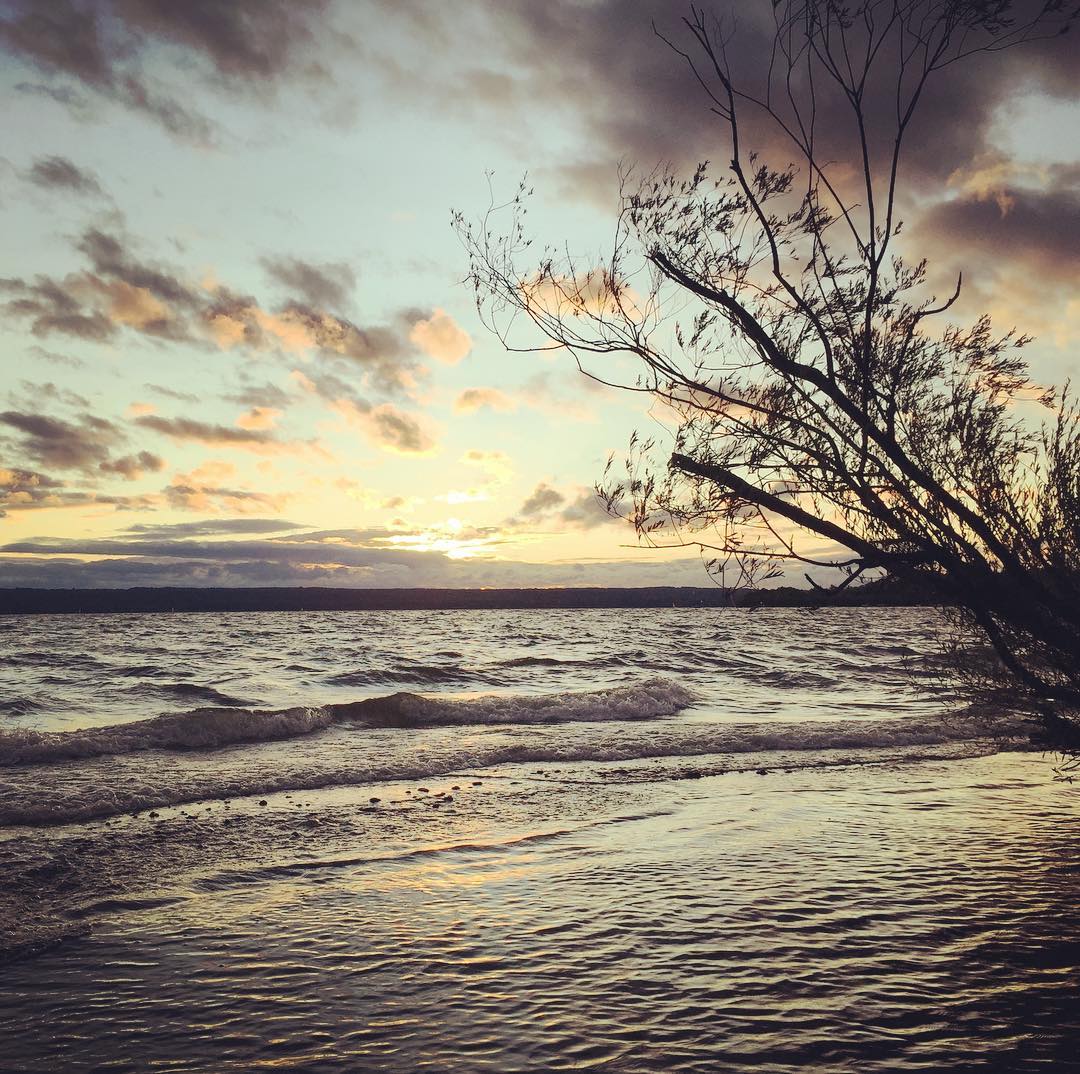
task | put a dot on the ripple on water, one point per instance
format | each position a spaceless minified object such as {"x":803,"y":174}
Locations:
{"x":739,"y":927}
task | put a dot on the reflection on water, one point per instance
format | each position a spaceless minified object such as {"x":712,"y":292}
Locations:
{"x":867,"y":919}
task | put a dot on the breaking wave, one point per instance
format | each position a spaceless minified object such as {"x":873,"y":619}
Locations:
{"x":212,"y":728}
{"x":106,"y":786}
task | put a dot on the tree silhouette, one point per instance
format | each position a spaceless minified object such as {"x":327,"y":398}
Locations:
{"x":821,"y":416}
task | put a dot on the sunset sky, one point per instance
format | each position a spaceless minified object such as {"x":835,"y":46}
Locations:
{"x":236,"y":345}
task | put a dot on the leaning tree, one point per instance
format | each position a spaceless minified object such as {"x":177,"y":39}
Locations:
{"x":827,"y":409}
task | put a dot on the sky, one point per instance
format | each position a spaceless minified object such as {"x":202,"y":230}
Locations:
{"x":237,"y":348}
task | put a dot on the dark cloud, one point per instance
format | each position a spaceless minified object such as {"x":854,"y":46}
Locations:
{"x":59,"y":36}
{"x":105,"y":47}
{"x":50,"y":309}
{"x":394,"y":429}
{"x":212,"y":528}
{"x":132,"y":467}
{"x":203,"y":432}
{"x":329,"y":285}
{"x":541,"y":501}
{"x":59,"y":173}
{"x":112,"y":259}
{"x":244,"y":40}
{"x":638,"y":104}
{"x":586,"y":512}
{"x":65,"y":445}
{"x":1039,"y":229}
{"x":583,"y":510}
{"x":604,"y":61}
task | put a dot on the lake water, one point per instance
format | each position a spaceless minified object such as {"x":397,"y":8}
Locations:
{"x":622,"y":840}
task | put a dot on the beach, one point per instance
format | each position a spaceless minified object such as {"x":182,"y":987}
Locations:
{"x":558,"y":858}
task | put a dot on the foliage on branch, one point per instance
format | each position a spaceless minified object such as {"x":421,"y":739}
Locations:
{"x":827,"y":409}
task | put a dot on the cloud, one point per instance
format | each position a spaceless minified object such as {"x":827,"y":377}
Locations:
{"x":383,"y":353}
{"x":329,"y":284}
{"x":386,"y":425}
{"x":59,"y":173}
{"x":203,"y":489}
{"x":542,"y":500}
{"x":440,"y":337}
{"x":1040,"y":229}
{"x":1013,"y":230}
{"x":266,"y":395}
{"x":245,"y":46}
{"x":581,"y":510}
{"x":182,"y":428}
{"x":50,"y":309}
{"x":586,"y":511}
{"x":36,"y":393}
{"x":26,"y":490}
{"x":118,"y":289}
{"x":172,"y":393}
{"x":259,"y":417}
{"x":396,"y":431}
{"x":132,"y":467}
{"x":473,"y":399}
{"x":355,"y":559}
{"x":64,"y":445}
{"x":217,"y":527}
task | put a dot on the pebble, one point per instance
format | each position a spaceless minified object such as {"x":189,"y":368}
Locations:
{"x":262,"y":801}
{"x":477,"y":782}
{"x":374,"y":801}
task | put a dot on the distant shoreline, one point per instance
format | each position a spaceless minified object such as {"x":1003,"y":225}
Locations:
{"x":289,"y":599}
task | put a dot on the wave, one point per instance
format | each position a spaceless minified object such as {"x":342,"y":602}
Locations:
{"x":20,"y":706}
{"x":673,"y":750}
{"x":213,"y":728}
{"x":416,"y":673}
{"x":194,"y":692}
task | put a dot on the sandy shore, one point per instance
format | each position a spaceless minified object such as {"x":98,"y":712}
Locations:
{"x":873,"y":917}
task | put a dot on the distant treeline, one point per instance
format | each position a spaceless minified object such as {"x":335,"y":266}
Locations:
{"x":73,"y":601}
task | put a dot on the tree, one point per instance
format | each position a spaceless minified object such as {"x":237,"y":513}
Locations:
{"x":822,"y":398}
